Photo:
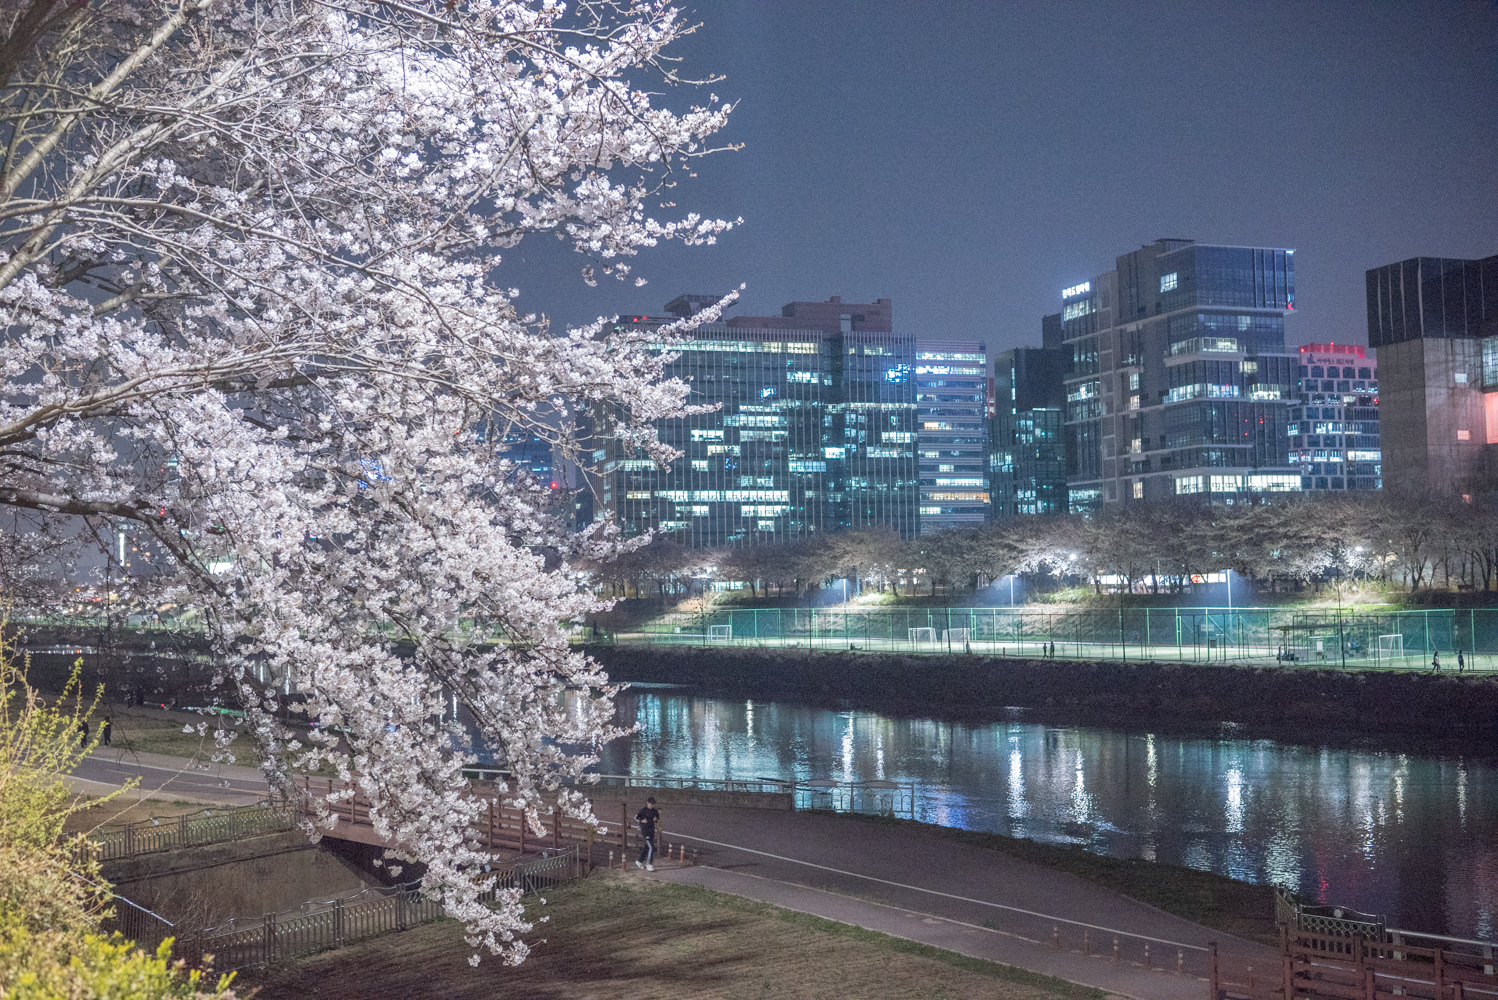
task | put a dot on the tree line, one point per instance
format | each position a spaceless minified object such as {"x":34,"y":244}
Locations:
{"x":1415,"y":541}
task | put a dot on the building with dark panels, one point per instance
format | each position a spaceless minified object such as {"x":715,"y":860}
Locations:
{"x":1434,"y":323}
{"x":814,"y":430}
{"x":1027,"y":458}
{"x":1334,"y":429}
{"x":1179,"y":381}
{"x":951,"y":401}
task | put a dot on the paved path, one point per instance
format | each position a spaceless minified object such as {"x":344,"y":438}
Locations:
{"x":165,"y":777}
{"x":882,"y":871}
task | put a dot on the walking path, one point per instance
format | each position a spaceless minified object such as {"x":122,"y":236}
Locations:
{"x":163,"y":776}
{"x":920,"y":885}
{"x":897,"y":879}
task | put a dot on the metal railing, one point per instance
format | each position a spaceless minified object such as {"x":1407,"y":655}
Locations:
{"x":321,"y":924}
{"x":209,"y":826}
{"x":878,"y":798}
{"x":1365,"y":636}
{"x":753,"y":785}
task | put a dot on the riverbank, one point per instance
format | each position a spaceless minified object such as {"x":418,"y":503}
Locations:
{"x":626,"y":936}
{"x":1273,"y":699}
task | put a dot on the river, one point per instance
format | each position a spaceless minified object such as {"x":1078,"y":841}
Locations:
{"x":1412,"y":837}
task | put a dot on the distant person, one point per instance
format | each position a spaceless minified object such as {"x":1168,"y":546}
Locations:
{"x":1435,"y":661}
{"x":647,"y":817}
{"x":107,"y":731}
{"x":1461,"y":662}
{"x":83,"y":732}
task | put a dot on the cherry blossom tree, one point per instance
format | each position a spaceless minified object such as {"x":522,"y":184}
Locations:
{"x":253,"y":300}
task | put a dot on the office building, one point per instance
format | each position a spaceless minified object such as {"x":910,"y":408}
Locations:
{"x":1334,"y":433}
{"x":1179,"y":381}
{"x":1434,"y":323}
{"x":814,"y":430}
{"x":1027,"y":458}
{"x":951,"y":398}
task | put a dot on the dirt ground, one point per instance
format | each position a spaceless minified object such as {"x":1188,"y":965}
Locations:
{"x":115,"y":813}
{"x":616,"y":936}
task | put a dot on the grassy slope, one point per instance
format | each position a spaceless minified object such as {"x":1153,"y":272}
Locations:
{"x":1206,"y":898}
{"x":622,"y":937}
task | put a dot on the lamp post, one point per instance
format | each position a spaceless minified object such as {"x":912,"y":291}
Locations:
{"x":1227,"y":633}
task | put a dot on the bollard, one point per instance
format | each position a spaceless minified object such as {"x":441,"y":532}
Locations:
{"x":1115,"y":950}
{"x":611,"y":861}
{"x":1147,"y":955}
{"x":1180,"y":962}
{"x":1250,"y":978}
{"x":1055,"y":937}
{"x":681,"y":854}
{"x":1087,"y":942}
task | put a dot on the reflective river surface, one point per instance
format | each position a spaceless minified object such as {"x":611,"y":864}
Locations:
{"x":1414,"y":838}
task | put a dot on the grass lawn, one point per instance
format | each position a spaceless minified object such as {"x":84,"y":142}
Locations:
{"x":1206,"y":898}
{"x":617,"y":936}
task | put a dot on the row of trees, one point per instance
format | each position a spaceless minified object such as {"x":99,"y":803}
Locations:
{"x":1414,"y":541}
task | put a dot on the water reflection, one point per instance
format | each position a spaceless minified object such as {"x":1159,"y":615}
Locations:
{"x":1411,"y":837}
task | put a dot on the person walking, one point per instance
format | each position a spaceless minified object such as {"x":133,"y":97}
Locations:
{"x":1461,"y":662}
{"x":647,"y":817}
{"x":107,"y":730}
{"x":83,"y":732}
{"x":1435,"y":661}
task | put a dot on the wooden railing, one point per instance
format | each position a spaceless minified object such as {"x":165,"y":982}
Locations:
{"x":500,"y":827}
{"x":209,"y":826}
{"x":1340,"y":967}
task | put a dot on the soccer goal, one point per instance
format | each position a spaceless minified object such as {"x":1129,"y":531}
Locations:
{"x":923,"y":635}
{"x":720,"y":633}
{"x":1390,"y":646}
{"x":957,"y":634}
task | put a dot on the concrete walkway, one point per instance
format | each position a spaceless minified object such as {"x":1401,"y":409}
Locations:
{"x":970,"y":899}
{"x":161,"y":776}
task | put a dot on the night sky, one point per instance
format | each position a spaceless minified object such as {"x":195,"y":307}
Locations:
{"x":969,"y":161}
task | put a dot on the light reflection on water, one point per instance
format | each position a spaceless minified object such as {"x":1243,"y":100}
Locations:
{"x":1411,"y":837}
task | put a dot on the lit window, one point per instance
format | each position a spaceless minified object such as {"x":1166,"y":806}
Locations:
{"x":1464,"y":435}
{"x":1133,"y":381}
{"x":1188,"y":484}
{"x":1139,"y":490}
{"x":1461,"y":378}
{"x":1169,"y":281}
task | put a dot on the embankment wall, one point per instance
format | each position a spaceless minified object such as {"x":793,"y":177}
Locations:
{"x":976,"y":687}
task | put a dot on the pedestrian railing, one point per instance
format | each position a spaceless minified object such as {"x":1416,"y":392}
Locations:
{"x":322,"y":924}
{"x":754,"y":785}
{"x":208,"y":826}
{"x":876,"y":798}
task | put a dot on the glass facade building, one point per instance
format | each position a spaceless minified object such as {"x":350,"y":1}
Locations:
{"x":814,"y":431}
{"x":1334,"y":433}
{"x":1027,"y":458}
{"x":1179,"y":382}
{"x":951,"y":398}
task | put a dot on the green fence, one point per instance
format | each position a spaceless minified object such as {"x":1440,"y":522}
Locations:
{"x":1365,"y":637}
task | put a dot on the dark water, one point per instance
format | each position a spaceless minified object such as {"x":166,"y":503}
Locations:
{"x":1412,"y":837}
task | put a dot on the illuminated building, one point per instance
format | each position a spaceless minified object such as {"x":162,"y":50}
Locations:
{"x":1434,"y":323}
{"x":951,"y":395}
{"x":1179,"y":381}
{"x":1334,"y":431}
{"x":814,"y":431}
